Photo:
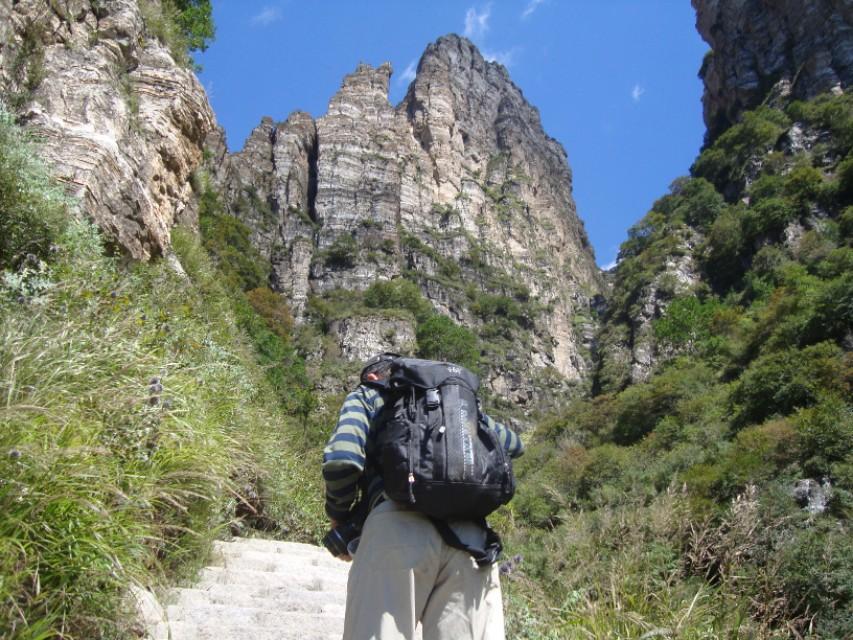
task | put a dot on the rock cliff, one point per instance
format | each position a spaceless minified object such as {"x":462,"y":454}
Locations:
{"x":458,"y":188}
{"x":121,"y":123}
{"x":799,"y":48}
{"x":763,"y":53}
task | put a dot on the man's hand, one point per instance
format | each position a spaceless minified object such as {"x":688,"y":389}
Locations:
{"x":334,"y":525}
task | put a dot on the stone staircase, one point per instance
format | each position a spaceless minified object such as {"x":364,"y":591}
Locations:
{"x":256,"y":590}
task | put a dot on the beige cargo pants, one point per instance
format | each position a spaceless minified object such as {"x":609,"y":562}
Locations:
{"x":403,"y":573}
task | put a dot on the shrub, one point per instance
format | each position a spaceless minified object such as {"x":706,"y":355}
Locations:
{"x":845,"y":224}
{"x":342,"y":253}
{"x":182,"y":25}
{"x":700,"y":203}
{"x":641,"y":406}
{"x":439,"y":338}
{"x":766,"y":186}
{"x":826,"y":433}
{"x":722,"y":254}
{"x":273,"y":309}
{"x":491,"y":307}
{"x":195,"y":21}
{"x":687,"y":322}
{"x":228,"y":240}
{"x":844,"y":174}
{"x":803,"y":185}
{"x":769,"y":216}
{"x":605,"y":465}
{"x":779,"y":383}
{"x":832,"y":311}
{"x":334,"y":305}
{"x":815,"y":576}
{"x":398,"y":293}
{"x":33,"y":208}
{"x":723,"y":164}
{"x":830,"y":112}
{"x":758,"y":454}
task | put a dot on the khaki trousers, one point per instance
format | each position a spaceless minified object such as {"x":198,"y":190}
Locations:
{"x":404,"y":574}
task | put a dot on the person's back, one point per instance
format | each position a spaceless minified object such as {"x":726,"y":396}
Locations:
{"x":405,"y":571}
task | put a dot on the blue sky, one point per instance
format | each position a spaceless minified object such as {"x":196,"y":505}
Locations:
{"x":614,"y":80}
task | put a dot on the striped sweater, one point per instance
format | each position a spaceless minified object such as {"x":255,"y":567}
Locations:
{"x":345,"y":461}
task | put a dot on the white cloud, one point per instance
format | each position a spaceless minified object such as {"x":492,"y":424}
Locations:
{"x":408,"y":73}
{"x":266,"y":17}
{"x":637,"y":93}
{"x":610,"y":265}
{"x":506,"y":58}
{"x":477,"y":24}
{"x":532,"y":6}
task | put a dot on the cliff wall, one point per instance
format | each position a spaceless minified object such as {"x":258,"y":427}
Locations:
{"x":121,"y":123}
{"x":799,"y":48}
{"x":458,"y":188}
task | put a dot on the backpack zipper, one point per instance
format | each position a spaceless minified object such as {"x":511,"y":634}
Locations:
{"x":412,"y":427}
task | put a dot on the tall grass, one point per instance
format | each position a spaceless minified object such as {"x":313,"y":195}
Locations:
{"x":623,"y":572}
{"x":130,"y":408}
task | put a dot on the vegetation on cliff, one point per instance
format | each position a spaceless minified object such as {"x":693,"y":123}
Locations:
{"x":713,"y":499}
{"x":136,"y":413}
{"x":182,"y":25}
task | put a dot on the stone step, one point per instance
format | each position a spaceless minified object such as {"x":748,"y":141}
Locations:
{"x":273,"y":546}
{"x":206,"y":631}
{"x":259,"y":590}
{"x":285,"y":597}
{"x":255,"y":559}
{"x":317,"y":579}
{"x":253,"y":617}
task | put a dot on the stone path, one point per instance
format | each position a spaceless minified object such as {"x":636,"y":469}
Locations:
{"x":258,"y":590}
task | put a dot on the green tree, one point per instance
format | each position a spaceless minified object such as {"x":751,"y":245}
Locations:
{"x":439,"y":338}
{"x":194,"y":18}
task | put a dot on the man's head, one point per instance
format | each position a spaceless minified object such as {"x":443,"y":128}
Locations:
{"x":377,"y":368}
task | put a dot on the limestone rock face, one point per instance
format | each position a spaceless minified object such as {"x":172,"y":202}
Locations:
{"x":801,"y":48}
{"x":359,"y":338}
{"x":628,"y":349}
{"x":121,"y":123}
{"x":458,"y":188}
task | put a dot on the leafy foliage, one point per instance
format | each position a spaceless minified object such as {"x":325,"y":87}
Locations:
{"x":751,"y":394}
{"x":439,"y":338}
{"x":133,"y":402}
{"x":228,"y":240}
{"x":34,"y":209}
{"x":195,"y":21}
{"x":182,"y":25}
{"x":724,"y":163}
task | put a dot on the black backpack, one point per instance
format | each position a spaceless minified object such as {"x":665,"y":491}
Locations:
{"x":433,"y":451}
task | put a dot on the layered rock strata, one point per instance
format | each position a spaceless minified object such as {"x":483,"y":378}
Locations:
{"x":800,"y":48}
{"x":457,"y":188}
{"x":121,"y":124}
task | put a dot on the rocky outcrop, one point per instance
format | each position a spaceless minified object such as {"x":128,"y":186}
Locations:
{"x":628,"y":350}
{"x":359,"y":338}
{"x":458,"y":188}
{"x":121,"y":124}
{"x":793,"y":47}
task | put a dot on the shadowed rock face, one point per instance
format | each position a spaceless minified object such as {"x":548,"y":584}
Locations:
{"x":121,"y":124}
{"x":457,"y":187}
{"x":800,"y":47}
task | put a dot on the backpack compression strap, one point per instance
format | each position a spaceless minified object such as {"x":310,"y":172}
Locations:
{"x":483,"y":557}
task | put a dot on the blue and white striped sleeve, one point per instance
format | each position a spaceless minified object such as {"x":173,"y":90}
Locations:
{"x":507,"y":437}
{"x":344,"y":454}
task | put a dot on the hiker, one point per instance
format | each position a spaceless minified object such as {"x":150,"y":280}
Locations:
{"x":410,"y":568}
